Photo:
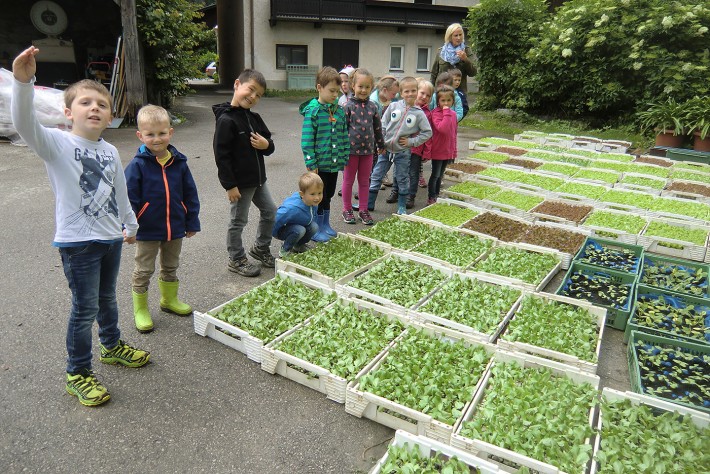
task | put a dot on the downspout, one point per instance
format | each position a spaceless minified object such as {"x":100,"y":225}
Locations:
{"x":251,"y":32}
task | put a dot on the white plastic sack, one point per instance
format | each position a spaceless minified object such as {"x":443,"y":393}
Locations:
{"x":48,"y":102}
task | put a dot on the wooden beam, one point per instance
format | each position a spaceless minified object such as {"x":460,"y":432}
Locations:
{"x":136,"y":95}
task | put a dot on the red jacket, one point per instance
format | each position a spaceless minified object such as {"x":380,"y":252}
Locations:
{"x":443,"y":143}
{"x":424,"y":150}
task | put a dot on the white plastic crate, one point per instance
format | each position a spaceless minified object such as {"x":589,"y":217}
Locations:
{"x":681,"y":217}
{"x":666,"y":246}
{"x":375,"y":408}
{"x":507,"y":460}
{"x":615,"y":206}
{"x":429,"y":448}
{"x":698,"y":418}
{"x":448,"y":202}
{"x":638,"y":187}
{"x":512,"y":210}
{"x":684,"y":194}
{"x":238,"y":339}
{"x":475,"y":160}
{"x":481,"y":146}
{"x":613,"y":234}
{"x":565,"y":257}
{"x":275,"y":361}
{"x":420,"y":315}
{"x":551,"y":218}
{"x":567,"y":359}
{"x":460,"y":268}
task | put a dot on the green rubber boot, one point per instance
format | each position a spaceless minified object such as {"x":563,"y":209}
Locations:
{"x":169,"y":301}
{"x":141,"y":313}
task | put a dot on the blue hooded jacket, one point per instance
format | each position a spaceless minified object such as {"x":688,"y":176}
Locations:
{"x":294,"y":211}
{"x":164,"y":198}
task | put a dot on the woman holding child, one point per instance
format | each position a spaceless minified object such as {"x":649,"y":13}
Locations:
{"x":454,"y":55}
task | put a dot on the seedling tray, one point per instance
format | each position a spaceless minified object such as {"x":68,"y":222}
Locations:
{"x":675,"y":264}
{"x":564,"y":358}
{"x":647,"y":292}
{"x":674,"y":247}
{"x":429,"y":448}
{"x":691,"y":220}
{"x":565,"y":257}
{"x":207,"y":325}
{"x":537,"y":286}
{"x":635,"y":250}
{"x":470,"y":260}
{"x":660,"y":341}
{"x":275,"y":361}
{"x":676,"y":193}
{"x":616,"y":317}
{"x":657,"y":405}
{"x":611,"y":233}
{"x":546,"y":217}
{"x":508,"y":460}
{"x":453,"y":204}
{"x":397,"y":416}
{"x":656,"y":191}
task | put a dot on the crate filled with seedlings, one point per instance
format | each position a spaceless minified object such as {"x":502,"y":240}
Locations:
{"x":683,"y":189}
{"x":327,"y":351}
{"x":519,"y":163}
{"x":523,"y":180}
{"x":421,"y":454}
{"x":643,"y":183}
{"x":549,"y":235}
{"x":637,"y":433}
{"x":575,"y":190}
{"x":670,"y":315}
{"x":260,"y":315}
{"x":400,"y":281}
{"x":453,"y":248}
{"x":610,"y":255}
{"x":667,"y":207}
{"x":448,"y":212}
{"x":597,"y":176}
{"x":601,"y":287}
{"x":531,"y":414}
{"x":615,"y":225}
{"x":634,"y":202}
{"x":489,"y":157}
{"x":528,"y":269}
{"x":422,"y":384}
{"x":462,"y":170}
{"x":473,"y":192}
{"x":515,"y":202}
{"x":674,"y":370}
{"x":675,"y":275}
{"x":561,"y":211}
{"x":399,"y":233}
{"x":498,"y":225}
{"x":556,"y":328}
{"x":330,"y":261}
{"x":675,"y":238}
{"x":477,"y":307}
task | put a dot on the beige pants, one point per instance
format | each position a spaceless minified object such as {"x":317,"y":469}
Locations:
{"x":146,"y":253}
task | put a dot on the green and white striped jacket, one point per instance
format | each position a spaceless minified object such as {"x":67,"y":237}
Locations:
{"x":324,"y":136}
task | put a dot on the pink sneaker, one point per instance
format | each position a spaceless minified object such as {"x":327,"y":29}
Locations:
{"x":430,"y":201}
{"x":422,"y":182}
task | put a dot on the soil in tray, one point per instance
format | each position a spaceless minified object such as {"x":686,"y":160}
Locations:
{"x":466,"y":167}
{"x":653,"y":161}
{"x":511,"y":150}
{"x":531,"y":165}
{"x":690,"y":188}
{"x":507,"y":230}
{"x":550,"y":237}
{"x":570,"y":212}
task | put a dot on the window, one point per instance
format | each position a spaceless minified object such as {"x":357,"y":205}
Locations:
{"x":423,"y":53}
{"x":290,"y":54}
{"x":396,"y":58}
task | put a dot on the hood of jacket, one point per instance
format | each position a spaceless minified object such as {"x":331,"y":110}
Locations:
{"x":219,"y":109}
{"x":144,"y":153}
{"x":313,"y":104}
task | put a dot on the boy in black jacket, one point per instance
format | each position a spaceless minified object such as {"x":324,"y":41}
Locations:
{"x":241,"y":140}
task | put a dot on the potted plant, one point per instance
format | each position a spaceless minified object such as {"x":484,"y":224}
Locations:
{"x":666,"y":119}
{"x":698,"y":120}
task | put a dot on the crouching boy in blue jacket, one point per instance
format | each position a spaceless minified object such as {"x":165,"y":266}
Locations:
{"x":296,"y":217}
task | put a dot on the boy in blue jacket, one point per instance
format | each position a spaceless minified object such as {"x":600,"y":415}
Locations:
{"x":164,"y":198}
{"x":296,"y":217}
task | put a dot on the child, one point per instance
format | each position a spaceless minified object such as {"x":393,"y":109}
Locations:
{"x":446,"y":79}
{"x":424,"y":92}
{"x":365,"y":131}
{"x":164,"y":196}
{"x":443,"y":144}
{"x":91,"y":205}
{"x":345,"y":85}
{"x":241,"y":140}
{"x":324,"y":141}
{"x":456,"y":74}
{"x":383,"y":95}
{"x":406,"y":126}
{"x":296,"y":217}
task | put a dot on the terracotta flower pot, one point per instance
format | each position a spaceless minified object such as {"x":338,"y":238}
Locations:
{"x":667,"y":139}
{"x":701,"y":144}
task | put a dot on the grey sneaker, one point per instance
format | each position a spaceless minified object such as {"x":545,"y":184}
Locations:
{"x":243,"y":267}
{"x":283,"y":253}
{"x":263,"y":255}
{"x":300,"y":248}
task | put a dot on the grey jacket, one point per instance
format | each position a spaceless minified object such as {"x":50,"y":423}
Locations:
{"x":402,"y":121}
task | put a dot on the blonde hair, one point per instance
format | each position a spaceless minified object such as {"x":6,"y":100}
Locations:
{"x":72,"y":91}
{"x":387,"y":82}
{"x":408,"y":80}
{"x":424,"y":83}
{"x":361,"y":72}
{"x":308,"y":180}
{"x":152,"y":114}
{"x":450,"y":32}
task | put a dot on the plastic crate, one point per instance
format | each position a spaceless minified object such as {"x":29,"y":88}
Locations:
{"x":683,"y":346}
{"x":694,"y":266}
{"x":275,"y":361}
{"x":637,"y":251}
{"x":683,"y":301}
{"x":684,"y":194}
{"x":237,"y":338}
{"x":565,"y":257}
{"x":507,"y":460}
{"x":537,"y":286}
{"x":610,"y":233}
{"x":446,"y":202}
{"x":639,"y":187}
{"x":699,"y":419}
{"x":373,"y":407}
{"x":615,"y":317}
{"x":557,"y":356}
{"x":429,"y":448}
{"x":681,"y":217}
{"x":673,"y":247}
{"x":557,"y":219}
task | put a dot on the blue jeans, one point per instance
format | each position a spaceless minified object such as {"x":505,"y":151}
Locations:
{"x":400,"y":160}
{"x":92,"y":271}
{"x":414,"y":166}
{"x":294,"y":234}
{"x":239,"y":216}
{"x":437,"y":171}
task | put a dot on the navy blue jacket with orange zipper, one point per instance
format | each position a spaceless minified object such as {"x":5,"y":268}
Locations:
{"x":164,"y":198}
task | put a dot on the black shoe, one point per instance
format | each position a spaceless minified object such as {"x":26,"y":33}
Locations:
{"x":410,"y":203}
{"x":393,"y":197}
{"x":340,"y":192}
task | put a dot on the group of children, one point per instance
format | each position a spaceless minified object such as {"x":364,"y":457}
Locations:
{"x":154,"y":203}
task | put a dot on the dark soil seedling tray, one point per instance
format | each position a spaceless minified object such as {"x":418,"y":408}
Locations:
{"x":502,"y":228}
{"x":571,"y":212}
{"x":523,"y":163}
{"x":467,"y":168}
{"x":689,"y":188}
{"x":550,"y":237}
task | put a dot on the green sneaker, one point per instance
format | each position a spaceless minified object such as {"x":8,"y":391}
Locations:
{"x":125,"y":355}
{"x":86,"y":388}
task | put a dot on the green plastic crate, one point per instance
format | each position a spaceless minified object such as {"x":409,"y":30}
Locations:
{"x":677,"y":262}
{"x":637,"y":250}
{"x":683,"y":346}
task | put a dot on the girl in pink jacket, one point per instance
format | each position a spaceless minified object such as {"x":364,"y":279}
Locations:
{"x":443,"y":142}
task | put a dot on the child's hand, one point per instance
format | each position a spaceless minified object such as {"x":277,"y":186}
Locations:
{"x":381,"y":151}
{"x":446,"y":107}
{"x":190,"y":234}
{"x":24,"y":66}
{"x":128,"y":240}
{"x":258,"y":142}
{"x":403,"y":141}
{"x":234,"y":194}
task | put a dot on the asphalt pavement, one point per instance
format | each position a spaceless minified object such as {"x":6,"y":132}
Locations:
{"x":199,"y":406}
